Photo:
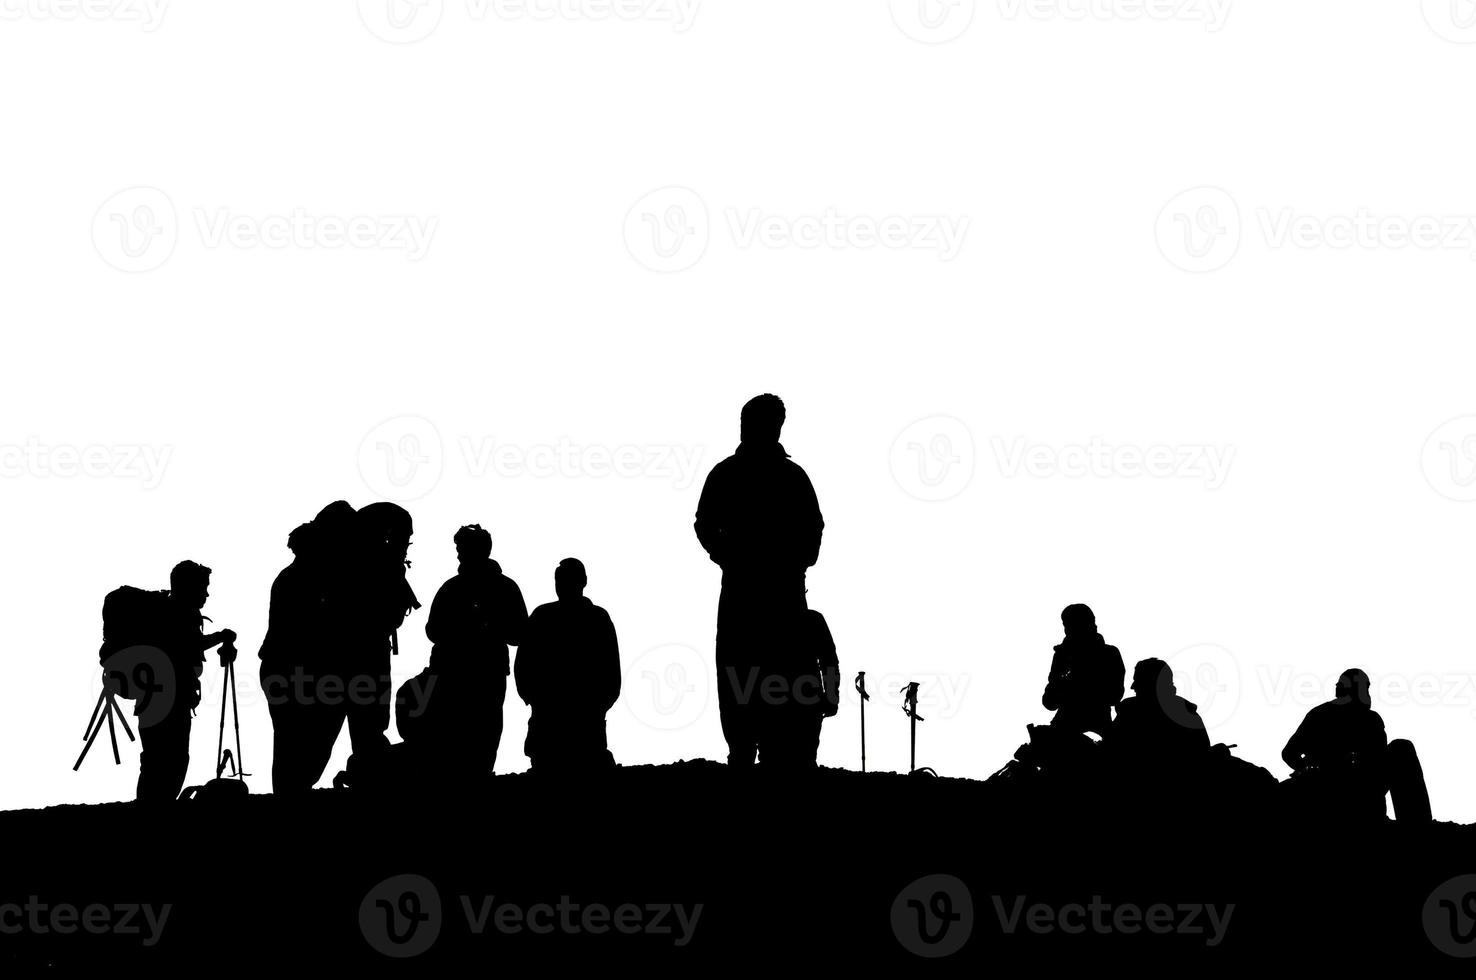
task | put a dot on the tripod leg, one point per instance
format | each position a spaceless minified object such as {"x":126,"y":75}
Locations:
{"x":236,"y":718}
{"x":95,"y":728}
{"x":220,"y":738}
{"x":121,"y":720}
{"x":113,"y":734}
{"x":95,"y":709}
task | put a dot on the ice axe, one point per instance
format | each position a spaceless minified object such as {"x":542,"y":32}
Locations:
{"x":909,"y":708}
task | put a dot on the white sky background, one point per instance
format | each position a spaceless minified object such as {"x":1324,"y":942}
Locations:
{"x":1313,"y":330}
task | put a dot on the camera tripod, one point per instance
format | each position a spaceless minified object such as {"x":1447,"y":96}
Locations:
{"x":103,"y":711}
{"x":222,"y":754}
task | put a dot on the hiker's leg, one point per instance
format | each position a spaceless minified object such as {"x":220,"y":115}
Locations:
{"x":496,"y":694}
{"x":369,"y":698}
{"x":165,"y":758}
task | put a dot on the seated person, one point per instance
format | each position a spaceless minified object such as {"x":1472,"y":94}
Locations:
{"x":1337,"y":754}
{"x":568,"y":671}
{"x":1086,"y":676}
{"x":1156,"y":732}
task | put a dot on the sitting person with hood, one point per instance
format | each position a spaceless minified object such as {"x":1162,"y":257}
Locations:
{"x":1085,"y":683}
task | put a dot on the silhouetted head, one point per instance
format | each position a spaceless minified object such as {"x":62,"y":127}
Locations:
{"x":1079,"y":620}
{"x":328,"y":533}
{"x":569,"y":579}
{"x":189,"y":583}
{"x":762,"y":419}
{"x":473,"y":544}
{"x":1152,"y":677}
{"x":385,"y":528}
{"x":1353,"y":688}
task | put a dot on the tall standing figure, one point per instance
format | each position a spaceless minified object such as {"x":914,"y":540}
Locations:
{"x":759,"y":520}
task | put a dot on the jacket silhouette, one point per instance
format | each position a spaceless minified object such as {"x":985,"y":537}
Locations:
{"x":759,"y":520}
{"x":300,"y":661}
{"x":476,"y":615}
{"x":379,"y":600}
{"x":568,"y":672}
{"x":1338,"y":753}
{"x":1156,"y":732}
{"x":1086,"y":679}
{"x":803,"y":674}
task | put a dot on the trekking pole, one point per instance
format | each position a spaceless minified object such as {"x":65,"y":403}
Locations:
{"x":236,"y":719}
{"x":909,"y":708}
{"x":861,"y":690}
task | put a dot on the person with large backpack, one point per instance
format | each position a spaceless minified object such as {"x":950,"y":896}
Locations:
{"x":381,"y":598}
{"x":153,"y":652}
{"x":299,"y":661}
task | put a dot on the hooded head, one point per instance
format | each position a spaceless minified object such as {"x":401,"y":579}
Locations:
{"x":1079,"y":621}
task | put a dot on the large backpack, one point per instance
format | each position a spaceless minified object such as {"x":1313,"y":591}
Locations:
{"x":132,"y":653}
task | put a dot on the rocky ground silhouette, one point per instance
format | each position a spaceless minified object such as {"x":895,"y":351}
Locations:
{"x":692,"y":864}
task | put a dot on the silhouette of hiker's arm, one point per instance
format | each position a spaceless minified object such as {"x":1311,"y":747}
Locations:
{"x":712,"y":515}
{"x":515,"y":622}
{"x":812,"y":523}
{"x":608,"y":686}
{"x":528,"y":665}
{"x":1113,"y":686}
{"x":437,"y":625}
{"x":1295,"y":753}
{"x":1056,"y":683}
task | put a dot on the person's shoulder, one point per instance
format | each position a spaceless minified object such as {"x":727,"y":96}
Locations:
{"x":547,"y":609}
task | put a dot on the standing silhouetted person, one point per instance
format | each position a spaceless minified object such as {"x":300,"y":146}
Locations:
{"x":759,"y":520}
{"x":300,"y":654}
{"x":164,"y":728}
{"x":379,"y":601}
{"x":568,"y":671}
{"x":1086,"y":675}
{"x":1157,"y":734}
{"x":475,"y":617}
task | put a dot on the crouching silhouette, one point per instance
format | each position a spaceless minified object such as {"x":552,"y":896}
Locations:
{"x":1157,"y":735}
{"x":1343,"y":764}
{"x":568,"y":671}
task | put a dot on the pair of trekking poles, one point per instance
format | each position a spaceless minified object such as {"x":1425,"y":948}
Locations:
{"x":909,"y":708}
{"x":106,"y":709}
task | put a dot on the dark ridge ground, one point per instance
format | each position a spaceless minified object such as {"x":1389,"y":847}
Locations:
{"x":787,"y":875}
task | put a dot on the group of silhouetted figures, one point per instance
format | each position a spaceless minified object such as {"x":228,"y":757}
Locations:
{"x":1155,"y":743}
{"x":337,"y":608}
